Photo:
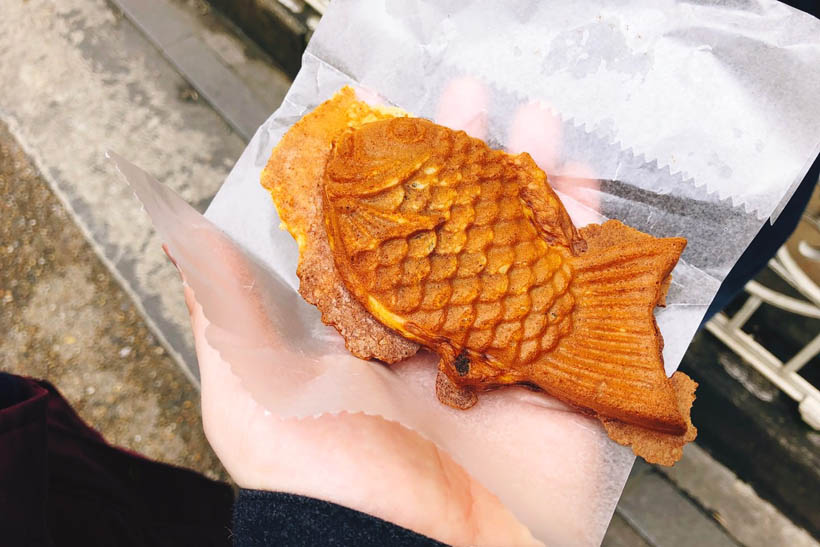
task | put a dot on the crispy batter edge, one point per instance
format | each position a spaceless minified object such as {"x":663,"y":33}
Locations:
{"x":654,"y":446}
{"x":303,"y":152}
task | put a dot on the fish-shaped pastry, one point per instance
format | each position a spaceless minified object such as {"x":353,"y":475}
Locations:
{"x":468,"y":251}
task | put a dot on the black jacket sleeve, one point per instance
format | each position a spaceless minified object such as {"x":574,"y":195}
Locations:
{"x":277,"y":518}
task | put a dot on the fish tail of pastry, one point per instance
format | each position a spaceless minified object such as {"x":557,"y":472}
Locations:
{"x":613,"y":353}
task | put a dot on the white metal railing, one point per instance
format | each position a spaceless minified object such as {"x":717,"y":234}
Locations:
{"x":786,"y":375}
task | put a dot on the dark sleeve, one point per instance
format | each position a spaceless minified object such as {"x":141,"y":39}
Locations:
{"x":277,"y":518}
{"x":62,"y":484}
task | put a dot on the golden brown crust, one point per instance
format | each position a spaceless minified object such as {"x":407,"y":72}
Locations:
{"x":615,"y":320}
{"x":654,"y":446}
{"x":664,"y":291}
{"x":452,"y":395}
{"x":293,"y":176}
{"x":468,"y":251}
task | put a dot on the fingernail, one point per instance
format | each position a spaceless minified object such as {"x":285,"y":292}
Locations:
{"x":173,"y":261}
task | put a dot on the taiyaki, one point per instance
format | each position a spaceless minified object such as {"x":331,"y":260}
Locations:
{"x":467,"y":251}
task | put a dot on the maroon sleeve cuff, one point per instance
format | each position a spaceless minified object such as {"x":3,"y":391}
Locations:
{"x":23,"y":462}
{"x":60,"y":481}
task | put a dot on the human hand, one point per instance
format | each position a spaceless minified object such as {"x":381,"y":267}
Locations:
{"x":360,"y":461}
{"x":355,"y":460}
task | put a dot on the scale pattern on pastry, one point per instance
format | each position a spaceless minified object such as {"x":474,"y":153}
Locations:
{"x":469,"y":252}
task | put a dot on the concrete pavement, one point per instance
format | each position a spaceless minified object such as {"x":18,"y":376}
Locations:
{"x":79,"y":79}
{"x":64,"y":318}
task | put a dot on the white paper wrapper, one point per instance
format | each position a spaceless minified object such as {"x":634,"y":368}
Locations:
{"x":699,"y":119}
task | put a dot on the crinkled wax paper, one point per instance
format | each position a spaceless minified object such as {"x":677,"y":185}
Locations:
{"x":698,"y":118}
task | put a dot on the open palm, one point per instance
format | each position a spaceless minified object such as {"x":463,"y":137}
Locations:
{"x":356,"y":460}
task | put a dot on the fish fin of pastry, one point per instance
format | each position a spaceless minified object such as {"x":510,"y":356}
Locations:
{"x":654,"y":446}
{"x":363,"y":227}
{"x":613,"y":354}
{"x":546,"y":210}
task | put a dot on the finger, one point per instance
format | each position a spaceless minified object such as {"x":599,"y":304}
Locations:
{"x":368,"y":95}
{"x":582,"y":185}
{"x":219,"y":277}
{"x":417,"y":486}
{"x":190,"y":300}
{"x":188,"y":292}
{"x":463,"y":105}
{"x":168,"y":254}
{"x":579,"y":181}
{"x":537,"y":130}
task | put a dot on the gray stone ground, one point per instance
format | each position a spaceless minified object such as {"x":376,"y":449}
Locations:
{"x":64,"y":318}
{"x":77,"y":79}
